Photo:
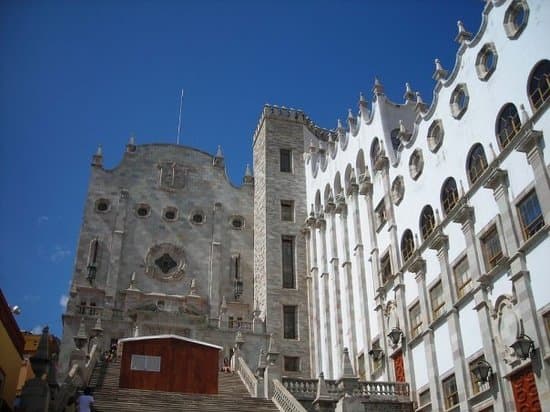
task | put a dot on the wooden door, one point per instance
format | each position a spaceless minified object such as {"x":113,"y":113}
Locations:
{"x":399,"y":367}
{"x":526,"y":396}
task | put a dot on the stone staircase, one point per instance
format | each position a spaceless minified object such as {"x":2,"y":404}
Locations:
{"x":232,"y":396}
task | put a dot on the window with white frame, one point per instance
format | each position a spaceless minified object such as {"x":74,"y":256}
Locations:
{"x":145,"y":363}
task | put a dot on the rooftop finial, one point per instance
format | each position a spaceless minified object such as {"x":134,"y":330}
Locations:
{"x":420,"y":105}
{"x":97,"y":158}
{"x":350,"y":114}
{"x":339,"y":125}
{"x":463,"y":35}
{"x":248,"y":178}
{"x":440,"y":73}
{"x":218,"y":159}
{"x":409,"y":94}
{"x":132,"y":139}
{"x":361,"y":98}
{"x":378,"y":89}
{"x":131,"y":145}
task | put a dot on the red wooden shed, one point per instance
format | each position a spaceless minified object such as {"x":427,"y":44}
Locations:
{"x":169,"y":363}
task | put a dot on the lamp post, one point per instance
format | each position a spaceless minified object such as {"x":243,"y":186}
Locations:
{"x":523,"y":346}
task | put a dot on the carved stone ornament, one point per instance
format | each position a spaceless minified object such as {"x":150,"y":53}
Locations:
{"x":165,"y":261}
{"x":508,"y":325}
{"x":171,"y":175}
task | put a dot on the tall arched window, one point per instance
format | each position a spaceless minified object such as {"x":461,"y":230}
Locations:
{"x":476,"y":163}
{"x":508,"y":124}
{"x":539,"y":84}
{"x":427,"y":221}
{"x":449,"y":195}
{"x":395,"y":141}
{"x":407,"y":245}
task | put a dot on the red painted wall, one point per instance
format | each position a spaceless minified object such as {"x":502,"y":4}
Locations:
{"x":185,"y":366}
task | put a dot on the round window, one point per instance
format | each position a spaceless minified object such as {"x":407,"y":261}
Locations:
{"x":170,"y":213}
{"x":197,"y":218}
{"x":102,"y":205}
{"x":237,"y":222}
{"x":143,"y":210}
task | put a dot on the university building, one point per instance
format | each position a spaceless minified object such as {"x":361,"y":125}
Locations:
{"x":407,"y":245}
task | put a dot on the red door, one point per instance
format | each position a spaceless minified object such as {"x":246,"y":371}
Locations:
{"x":526,"y":396}
{"x":399,"y":367}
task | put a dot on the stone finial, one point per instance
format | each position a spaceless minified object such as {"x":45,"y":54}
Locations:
{"x":248,"y":177}
{"x":223,"y":306}
{"x":218,"y":159}
{"x":339,"y":125}
{"x":131,"y":145}
{"x":493,"y":153}
{"x":524,"y":114}
{"x":420,"y":105}
{"x":409,"y":94}
{"x":193,"y":287}
{"x":350,"y":115}
{"x":97,"y":158}
{"x":440,"y":73}
{"x":463,"y":35}
{"x":97,"y":329}
{"x":40,"y":361}
{"x":378,"y":89}
{"x":347,"y":368}
{"x":322,"y":390}
{"x":363,"y":107}
{"x":352,"y":121}
{"x":132,"y":285}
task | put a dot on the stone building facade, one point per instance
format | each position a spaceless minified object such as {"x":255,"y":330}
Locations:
{"x":414,"y":236}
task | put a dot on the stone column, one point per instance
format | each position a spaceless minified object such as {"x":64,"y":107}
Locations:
{"x":313,"y":297}
{"x":215,"y":263}
{"x":418,"y":266}
{"x":116,"y":254}
{"x":466,"y":217}
{"x":359,"y":258}
{"x":334,"y":289}
{"x":440,"y":243}
{"x":327,"y":344}
{"x":348,"y":302}
{"x":365,"y":189}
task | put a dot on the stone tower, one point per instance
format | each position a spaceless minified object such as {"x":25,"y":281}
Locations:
{"x":280,"y":211}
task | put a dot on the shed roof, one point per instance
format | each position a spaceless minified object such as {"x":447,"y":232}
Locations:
{"x":152,"y":337}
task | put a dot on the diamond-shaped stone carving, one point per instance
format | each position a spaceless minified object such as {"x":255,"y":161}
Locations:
{"x":166,"y":263}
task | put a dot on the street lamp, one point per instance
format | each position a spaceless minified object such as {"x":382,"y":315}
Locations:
{"x":523,"y":346}
{"x":482,"y":371}
{"x":376,"y":353}
{"x":395,"y":335}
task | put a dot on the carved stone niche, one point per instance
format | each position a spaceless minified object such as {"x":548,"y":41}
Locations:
{"x":166,"y":262}
{"x":508,"y":327}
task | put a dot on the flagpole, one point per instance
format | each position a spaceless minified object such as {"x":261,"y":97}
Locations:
{"x":179,"y":119}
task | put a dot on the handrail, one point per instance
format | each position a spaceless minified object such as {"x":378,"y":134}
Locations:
{"x":247,"y":377}
{"x":284,"y":400}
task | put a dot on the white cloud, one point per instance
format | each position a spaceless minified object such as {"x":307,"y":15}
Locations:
{"x":59,"y":253}
{"x":37,"y":330}
{"x":42,"y":219}
{"x":31,"y":298}
{"x":63,"y":301}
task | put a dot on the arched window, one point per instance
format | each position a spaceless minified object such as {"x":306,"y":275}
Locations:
{"x":427,"y":221}
{"x":476,"y":163}
{"x":407,"y":245}
{"x":416,"y":164}
{"x":508,"y":124}
{"x":435,"y":135}
{"x":539,"y":84}
{"x":449,"y":195}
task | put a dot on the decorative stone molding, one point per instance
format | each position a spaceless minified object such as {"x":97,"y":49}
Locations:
{"x":165,"y":262}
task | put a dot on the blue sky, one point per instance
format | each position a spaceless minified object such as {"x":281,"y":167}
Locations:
{"x":76,"y":74}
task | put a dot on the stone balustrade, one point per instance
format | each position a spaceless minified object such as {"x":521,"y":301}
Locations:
{"x":248,"y":378}
{"x":284,"y":400}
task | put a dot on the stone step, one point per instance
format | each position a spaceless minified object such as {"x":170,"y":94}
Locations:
{"x":232,"y":396}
